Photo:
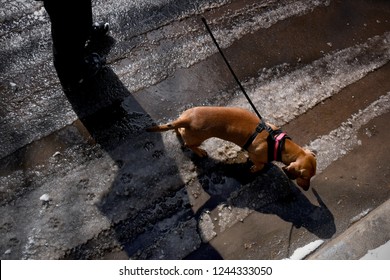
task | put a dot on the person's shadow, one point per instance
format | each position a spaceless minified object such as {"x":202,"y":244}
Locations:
{"x":114,"y":123}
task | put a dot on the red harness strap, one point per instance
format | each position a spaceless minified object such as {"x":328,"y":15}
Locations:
{"x":278,"y":141}
{"x":275,"y":139}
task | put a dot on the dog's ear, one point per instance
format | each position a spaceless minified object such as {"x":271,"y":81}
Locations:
{"x":294,"y":173}
{"x":311,"y":152}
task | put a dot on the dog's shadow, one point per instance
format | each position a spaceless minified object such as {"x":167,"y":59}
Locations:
{"x":268,"y":192}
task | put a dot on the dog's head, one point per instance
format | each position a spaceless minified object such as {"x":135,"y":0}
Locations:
{"x":302,"y":169}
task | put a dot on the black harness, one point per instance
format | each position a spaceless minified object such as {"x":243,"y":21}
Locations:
{"x":276,"y":139}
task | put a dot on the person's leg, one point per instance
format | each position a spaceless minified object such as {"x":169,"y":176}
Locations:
{"x":71,"y":26}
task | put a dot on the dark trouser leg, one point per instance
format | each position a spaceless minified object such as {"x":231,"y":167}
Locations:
{"x":71,"y":22}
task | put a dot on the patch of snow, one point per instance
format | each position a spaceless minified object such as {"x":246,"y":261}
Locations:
{"x":380,"y":253}
{"x":301,"y":253}
{"x":45,"y":197}
{"x":206,"y":227}
{"x":360,"y":216}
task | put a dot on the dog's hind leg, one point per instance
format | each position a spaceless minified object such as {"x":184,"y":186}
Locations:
{"x":179,"y":137}
{"x":191,"y":141}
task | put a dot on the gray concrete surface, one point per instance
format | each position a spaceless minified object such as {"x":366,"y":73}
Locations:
{"x":369,"y":233}
{"x":81,"y":179}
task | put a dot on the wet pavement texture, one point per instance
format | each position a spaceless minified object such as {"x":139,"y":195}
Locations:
{"x":81,"y":179}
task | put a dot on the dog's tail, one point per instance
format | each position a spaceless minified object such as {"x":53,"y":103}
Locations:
{"x":169,"y":126}
{"x":163,"y":127}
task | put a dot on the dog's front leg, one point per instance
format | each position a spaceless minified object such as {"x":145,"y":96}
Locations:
{"x":258,"y":160}
{"x":257,"y":167}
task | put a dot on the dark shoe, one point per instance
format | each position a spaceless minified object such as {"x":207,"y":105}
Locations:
{"x":99,"y":30}
{"x":92,"y":64}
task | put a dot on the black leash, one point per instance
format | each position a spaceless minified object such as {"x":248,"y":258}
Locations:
{"x":230,"y":68}
{"x":273,"y":134}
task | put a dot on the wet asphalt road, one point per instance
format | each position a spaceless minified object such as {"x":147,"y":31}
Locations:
{"x":81,"y":179}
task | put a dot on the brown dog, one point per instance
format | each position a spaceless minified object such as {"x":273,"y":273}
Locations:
{"x":237,"y":125}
